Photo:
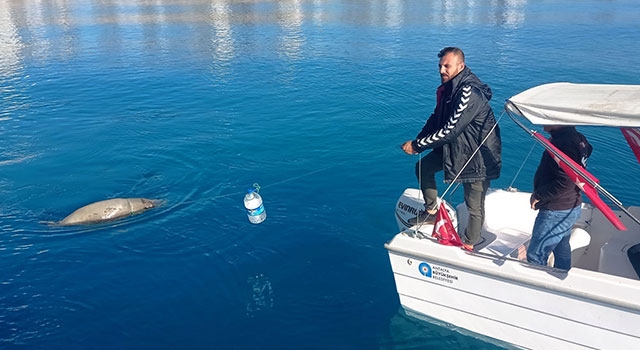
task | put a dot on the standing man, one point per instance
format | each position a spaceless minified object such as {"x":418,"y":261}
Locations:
{"x":461,"y":123}
{"x":558,"y":199}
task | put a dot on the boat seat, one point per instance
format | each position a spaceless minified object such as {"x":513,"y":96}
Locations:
{"x":614,"y":259}
{"x":507,"y":222}
{"x":579,"y":241}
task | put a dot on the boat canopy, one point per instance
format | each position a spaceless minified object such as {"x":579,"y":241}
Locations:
{"x":578,"y":104}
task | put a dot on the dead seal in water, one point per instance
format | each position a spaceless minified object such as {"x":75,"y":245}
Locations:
{"x":108,"y":210}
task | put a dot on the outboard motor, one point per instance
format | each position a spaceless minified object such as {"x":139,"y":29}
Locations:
{"x":411,"y":203}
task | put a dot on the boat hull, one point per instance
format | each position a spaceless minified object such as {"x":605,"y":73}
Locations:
{"x":492,"y":293}
{"x":516,"y":303}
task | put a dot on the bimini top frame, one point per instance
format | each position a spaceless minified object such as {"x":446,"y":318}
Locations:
{"x":578,"y":104}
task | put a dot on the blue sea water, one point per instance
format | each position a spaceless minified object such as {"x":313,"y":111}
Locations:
{"x":194,"y":101}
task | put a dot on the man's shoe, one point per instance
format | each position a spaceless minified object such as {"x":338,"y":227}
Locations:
{"x":425,"y":218}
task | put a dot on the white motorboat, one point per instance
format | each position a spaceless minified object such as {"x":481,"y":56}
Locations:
{"x":492,"y":291}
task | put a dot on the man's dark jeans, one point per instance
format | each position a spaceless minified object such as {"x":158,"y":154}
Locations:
{"x":474,"y":194}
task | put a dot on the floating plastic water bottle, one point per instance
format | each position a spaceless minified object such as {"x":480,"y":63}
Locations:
{"x":253,"y":204}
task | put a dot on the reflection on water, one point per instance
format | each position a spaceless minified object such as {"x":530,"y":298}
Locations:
{"x":317,"y":15}
{"x":261,"y":295}
{"x":129,"y":23}
{"x":10,"y":44}
{"x":222,"y":34}
{"x":513,"y":13}
{"x":393,"y":10}
{"x":290,"y":19}
{"x":223,"y":30}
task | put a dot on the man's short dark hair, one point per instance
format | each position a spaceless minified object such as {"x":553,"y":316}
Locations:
{"x":451,"y":49}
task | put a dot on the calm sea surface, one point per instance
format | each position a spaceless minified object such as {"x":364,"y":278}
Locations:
{"x":192,"y":102}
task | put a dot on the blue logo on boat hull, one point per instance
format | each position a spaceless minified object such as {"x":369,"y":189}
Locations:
{"x":425,"y":269}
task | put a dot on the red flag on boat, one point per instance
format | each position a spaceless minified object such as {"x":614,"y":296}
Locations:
{"x":580,"y":181}
{"x":443,"y":229}
{"x":632,"y":135}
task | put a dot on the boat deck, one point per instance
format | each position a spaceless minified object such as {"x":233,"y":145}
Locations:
{"x":596,"y":245}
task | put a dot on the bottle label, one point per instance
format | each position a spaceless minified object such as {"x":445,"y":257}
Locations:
{"x":255,"y":212}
